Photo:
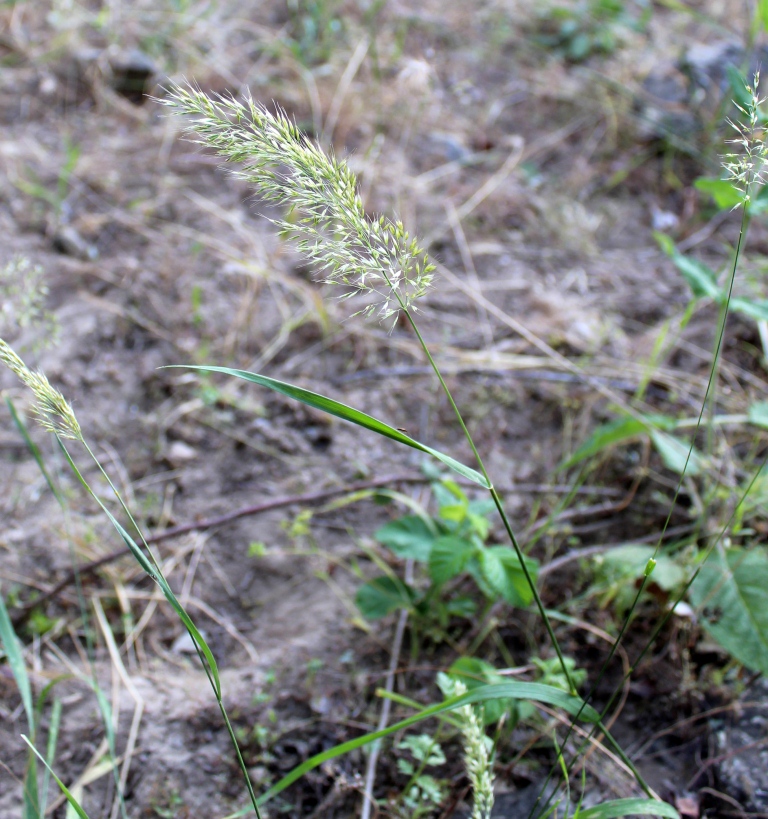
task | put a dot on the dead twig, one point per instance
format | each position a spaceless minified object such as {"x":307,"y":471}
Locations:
{"x":210,"y":523}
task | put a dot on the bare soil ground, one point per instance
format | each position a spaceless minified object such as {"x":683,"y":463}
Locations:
{"x":536,"y":184}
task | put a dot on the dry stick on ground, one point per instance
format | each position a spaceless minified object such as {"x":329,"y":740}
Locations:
{"x":370,"y":772}
{"x":209,"y":523}
{"x":246,"y":511}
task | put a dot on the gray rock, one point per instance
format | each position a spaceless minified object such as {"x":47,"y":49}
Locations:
{"x":741,"y":744}
{"x":680,"y":98}
{"x":68,"y":241}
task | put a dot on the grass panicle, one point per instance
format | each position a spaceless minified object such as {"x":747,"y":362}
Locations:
{"x":52,"y":410}
{"x":327,"y":221}
{"x":477,"y":749}
{"x":747,"y":167}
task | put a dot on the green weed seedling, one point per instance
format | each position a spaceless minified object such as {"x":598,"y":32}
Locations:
{"x":579,"y":30}
{"x":423,"y":792}
{"x":616,"y":571}
{"x":315,"y":27}
{"x":55,"y":199}
{"x":449,"y":545}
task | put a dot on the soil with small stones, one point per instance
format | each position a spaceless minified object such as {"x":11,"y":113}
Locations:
{"x":537,"y":184}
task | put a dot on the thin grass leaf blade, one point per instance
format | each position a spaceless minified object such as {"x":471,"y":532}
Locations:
{"x":507,"y":690}
{"x":33,"y":448}
{"x":195,"y":634}
{"x":31,"y":795}
{"x":632,"y":806}
{"x":12,"y":649}
{"x":71,"y":799}
{"x":347,"y":413}
{"x":614,"y":432}
{"x":754,"y":308}
{"x":50,"y":751}
{"x":155,"y":574}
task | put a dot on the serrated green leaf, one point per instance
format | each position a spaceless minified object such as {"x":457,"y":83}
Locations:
{"x":381,"y":596}
{"x":730,"y":593}
{"x":502,"y":571}
{"x":633,"y":806}
{"x":408,"y":537}
{"x":448,"y":557}
{"x":347,"y":413}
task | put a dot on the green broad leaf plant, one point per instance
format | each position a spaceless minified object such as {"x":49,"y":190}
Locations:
{"x":447,"y":547}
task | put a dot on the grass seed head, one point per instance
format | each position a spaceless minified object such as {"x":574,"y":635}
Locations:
{"x":477,"y":748}
{"x":51,"y":408}
{"x":747,"y":167}
{"x":327,"y":222}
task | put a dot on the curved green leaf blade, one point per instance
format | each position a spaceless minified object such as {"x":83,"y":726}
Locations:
{"x":758,"y":414}
{"x":754,"y":308}
{"x":70,"y":798}
{"x":155,"y":574}
{"x":474,"y":673}
{"x":614,"y":432}
{"x":731,"y":593}
{"x":633,"y":806}
{"x":12,"y":648}
{"x":507,"y":690}
{"x":347,"y":413}
{"x":701,"y":279}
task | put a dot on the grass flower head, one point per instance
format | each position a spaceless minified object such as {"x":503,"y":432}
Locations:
{"x":747,"y":167}
{"x":477,"y":749}
{"x":51,"y":408}
{"x":328,"y":221}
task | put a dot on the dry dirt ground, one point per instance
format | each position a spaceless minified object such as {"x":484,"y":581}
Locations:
{"x":536,"y":182}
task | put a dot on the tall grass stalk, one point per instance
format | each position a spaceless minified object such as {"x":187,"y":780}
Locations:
{"x":370,"y":258}
{"x":374,"y":257}
{"x":55,"y":414}
{"x":746,"y":168}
